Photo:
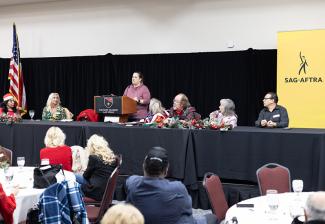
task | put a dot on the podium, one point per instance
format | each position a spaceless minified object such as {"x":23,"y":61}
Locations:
{"x":115,"y":108}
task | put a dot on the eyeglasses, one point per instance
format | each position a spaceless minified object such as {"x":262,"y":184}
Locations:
{"x":265,"y":98}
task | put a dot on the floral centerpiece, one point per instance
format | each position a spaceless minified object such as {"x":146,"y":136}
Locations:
{"x":9,"y":119}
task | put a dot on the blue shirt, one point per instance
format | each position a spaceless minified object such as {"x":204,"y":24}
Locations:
{"x":160,"y":200}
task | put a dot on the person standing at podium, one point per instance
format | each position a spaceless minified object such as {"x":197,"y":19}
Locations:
{"x":141,"y":94}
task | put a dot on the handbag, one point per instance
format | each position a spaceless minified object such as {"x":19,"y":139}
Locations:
{"x":44,"y":176}
{"x":32,"y":216}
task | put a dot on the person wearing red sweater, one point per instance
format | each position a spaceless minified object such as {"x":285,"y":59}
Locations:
{"x":56,"y":151}
{"x":7,"y":205}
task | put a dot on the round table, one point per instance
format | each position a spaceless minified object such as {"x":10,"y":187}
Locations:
{"x":260,"y":213}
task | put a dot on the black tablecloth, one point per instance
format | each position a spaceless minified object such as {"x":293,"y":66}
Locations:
{"x":235,"y":154}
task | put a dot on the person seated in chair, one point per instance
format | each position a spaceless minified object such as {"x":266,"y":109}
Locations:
{"x":273,"y":115}
{"x":101,"y":164}
{"x":8,"y":108}
{"x":53,"y":109}
{"x":157,"y":112}
{"x":158,"y":199}
{"x":182,"y":108}
{"x":315,"y":208}
{"x":225,"y":116}
{"x":56,"y":151}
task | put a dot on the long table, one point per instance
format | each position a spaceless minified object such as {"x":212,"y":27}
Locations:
{"x":235,"y":154}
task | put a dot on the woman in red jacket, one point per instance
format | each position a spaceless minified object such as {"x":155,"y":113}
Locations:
{"x":56,"y":151}
{"x":7,"y":205}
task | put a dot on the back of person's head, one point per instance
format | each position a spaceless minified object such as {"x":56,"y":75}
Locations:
{"x":315,"y":206}
{"x":54,"y":137}
{"x":156,"y":162}
{"x":274,"y":96}
{"x":123,"y":214}
{"x":155,"y":106}
{"x":97,"y":145}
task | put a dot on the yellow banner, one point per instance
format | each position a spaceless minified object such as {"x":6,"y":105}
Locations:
{"x":301,"y":77}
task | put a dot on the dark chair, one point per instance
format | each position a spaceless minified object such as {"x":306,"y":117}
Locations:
{"x":95,"y":213}
{"x":273,"y":176}
{"x":213,"y":187}
{"x":90,"y":201}
{"x":5,"y":154}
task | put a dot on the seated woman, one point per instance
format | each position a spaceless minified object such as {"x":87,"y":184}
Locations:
{"x":101,"y":164}
{"x":225,"y":116}
{"x":56,"y":151}
{"x":7,"y":205}
{"x":157,"y":112}
{"x":158,"y":199}
{"x":183,"y":109}
{"x":53,"y":109}
{"x":8,"y":108}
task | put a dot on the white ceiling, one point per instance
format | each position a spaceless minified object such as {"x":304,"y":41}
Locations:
{"x":22,"y":2}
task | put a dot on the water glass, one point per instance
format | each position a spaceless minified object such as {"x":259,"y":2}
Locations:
{"x":21,"y":162}
{"x":297,"y":186}
{"x":9,"y":175}
{"x":31,"y":114}
{"x":272,"y":200}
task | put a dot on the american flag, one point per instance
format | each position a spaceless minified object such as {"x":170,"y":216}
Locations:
{"x":17,"y":87}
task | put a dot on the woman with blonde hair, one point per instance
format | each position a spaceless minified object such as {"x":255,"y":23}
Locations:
{"x":56,"y":151}
{"x":53,"y":109}
{"x":101,"y":164}
{"x":123,"y":214}
{"x":156,"y":111}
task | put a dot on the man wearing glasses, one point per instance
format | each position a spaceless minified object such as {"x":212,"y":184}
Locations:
{"x":272,"y":115}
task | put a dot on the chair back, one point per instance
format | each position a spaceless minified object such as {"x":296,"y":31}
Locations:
{"x":213,"y":187}
{"x":273,"y":176}
{"x":5,"y":154}
{"x":109,"y":193}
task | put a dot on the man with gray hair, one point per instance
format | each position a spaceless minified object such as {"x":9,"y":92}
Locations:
{"x":315,"y":208}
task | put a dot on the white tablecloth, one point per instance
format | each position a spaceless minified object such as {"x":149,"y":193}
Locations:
{"x":27,"y":196}
{"x":288,"y":202}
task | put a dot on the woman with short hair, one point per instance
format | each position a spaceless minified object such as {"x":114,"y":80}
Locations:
{"x":56,"y":150}
{"x":225,"y":116}
{"x":139,"y":93}
{"x":101,"y":164}
{"x":53,"y":109}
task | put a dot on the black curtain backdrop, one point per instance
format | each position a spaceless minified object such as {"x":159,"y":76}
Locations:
{"x":243,"y":76}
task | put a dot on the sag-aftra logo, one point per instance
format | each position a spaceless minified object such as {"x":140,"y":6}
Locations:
{"x":302,"y":75}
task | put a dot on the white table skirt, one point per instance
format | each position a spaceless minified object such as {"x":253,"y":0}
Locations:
{"x":260,"y":213}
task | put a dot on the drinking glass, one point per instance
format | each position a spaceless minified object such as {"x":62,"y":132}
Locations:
{"x":9,"y":175}
{"x":31,"y":114}
{"x":21,"y":162}
{"x":297,"y":186}
{"x":272,"y":201}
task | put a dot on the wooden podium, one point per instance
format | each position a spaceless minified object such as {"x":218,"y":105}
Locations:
{"x":115,"y":108}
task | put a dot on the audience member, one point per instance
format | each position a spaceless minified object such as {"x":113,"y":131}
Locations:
{"x":101,"y":164}
{"x":56,"y":151}
{"x":156,"y":111}
{"x":7,"y":205}
{"x":141,"y":94}
{"x":53,"y":109}
{"x":9,"y":107}
{"x":183,"y":109}
{"x":315,"y":208}
{"x":123,"y":214}
{"x":160,"y":201}
{"x":226,"y":115}
{"x":273,"y":115}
